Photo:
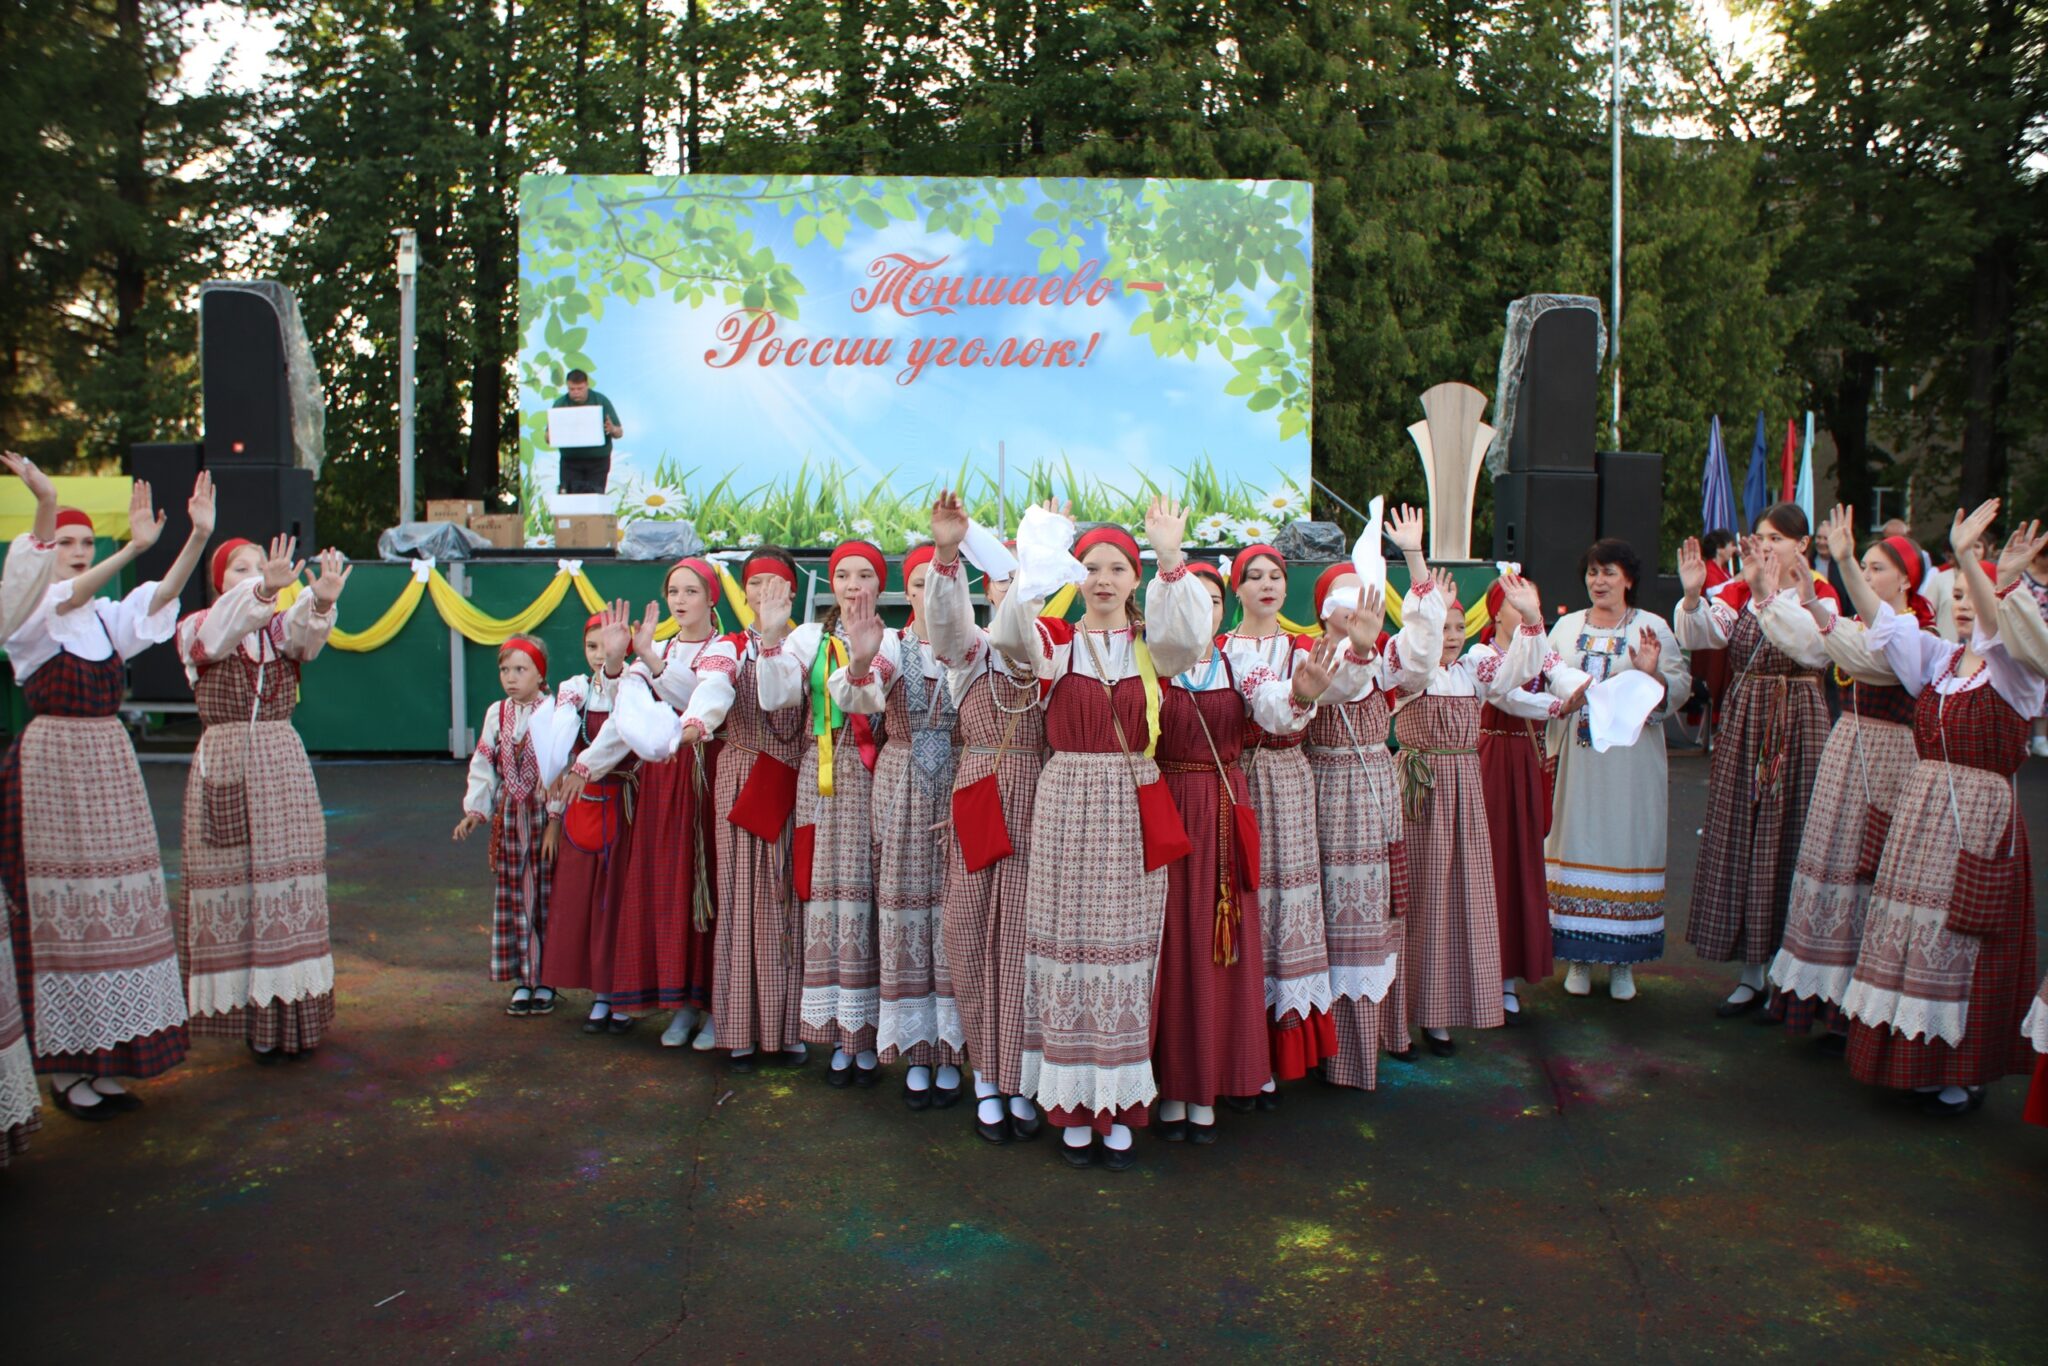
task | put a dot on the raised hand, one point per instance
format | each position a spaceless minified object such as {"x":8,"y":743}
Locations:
{"x":1759,"y":567}
{"x":1166,"y":526}
{"x":863,"y":633}
{"x":1649,"y":651}
{"x":1798,"y":572}
{"x":772,"y":621}
{"x":1312,"y":675}
{"x":2020,"y":549}
{"x":1839,"y":533}
{"x":949,"y":524}
{"x":466,"y":826}
{"x":1404,"y":528}
{"x":1365,"y":624}
{"x":145,"y":523}
{"x":278,"y":567}
{"x":643,"y":633}
{"x":616,"y":635}
{"x":31,"y":475}
{"x":1576,"y":700}
{"x":1965,"y":532}
{"x":199,"y":507}
{"x":333,"y":577}
{"x":1520,"y":594}
{"x":1692,"y":568}
{"x":1445,"y":584}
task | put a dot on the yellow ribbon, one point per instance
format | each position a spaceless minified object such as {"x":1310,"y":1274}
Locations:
{"x":837,"y":656}
{"x":1150,"y":675}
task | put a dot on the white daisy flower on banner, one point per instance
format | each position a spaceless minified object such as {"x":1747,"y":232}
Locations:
{"x":653,"y":500}
{"x":913,"y":539}
{"x":718,"y":537}
{"x":1213,"y":529}
{"x":540,"y":543}
{"x":863,"y":527}
{"x":749,"y":540}
{"x":1254,"y":529}
{"x":1283,"y":504}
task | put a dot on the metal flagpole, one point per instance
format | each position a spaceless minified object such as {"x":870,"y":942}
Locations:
{"x":1002,"y":492}
{"x":1614,"y":322}
{"x":408,"y":270}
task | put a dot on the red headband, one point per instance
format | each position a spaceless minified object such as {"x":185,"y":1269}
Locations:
{"x":921,"y":555}
{"x":73,"y":517}
{"x":532,"y":649}
{"x":768,"y":564}
{"x":224,"y":552}
{"x":595,"y":621}
{"x":858,"y":550}
{"x":1207,"y":571}
{"x":704,"y":572}
{"x":1107,"y":535}
{"x":1251,"y":552}
{"x":1327,"y":580}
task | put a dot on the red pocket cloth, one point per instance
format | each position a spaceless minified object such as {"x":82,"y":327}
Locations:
{"x":1246,"y":846}
{"x":1876,"y":825}
{"x":766,"y":799}
{"x":592,"y":820}
{"x":1166,"y":839}
{"x":803,"y":848}
{"x":979,"y":825}
{"x":1986,"y":893}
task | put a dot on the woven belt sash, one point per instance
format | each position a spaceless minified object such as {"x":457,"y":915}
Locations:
{"x":1418,"y":778}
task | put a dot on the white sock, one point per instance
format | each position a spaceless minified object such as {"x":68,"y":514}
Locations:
{"x":1269,"y":1087}
{"x":61,"y":1084}
{"x":949,"y":1077}
{"x":743,"y":1052}
{"x":107,"y":1086}
{"x":1080,"y":1136}
{"x":1119,"y":1138}
{"x":920,"y":1079}
{"x":1507,"y":986}
{"x":983,"y":1089}
{"x":1173,"y":1111}
{"x":797,"y":1050}
{"x":254,"y":1048}
{"x":600,"y":1008}
{"x":523,"y":994}
{"x":840,"y":1062}
{"x":1753,"y":976}
{"x":867,"y":1060}
{"x":1743,"y":991}
{"x":1438,"y":1033}
{"x":618,"y":1014}
{"x":1953,"y":1095}
{"x":1204,"y":1115}
{"x":1510,"y":1002}
{"x":1022,"y":1108}
{"x":990,"y":1110}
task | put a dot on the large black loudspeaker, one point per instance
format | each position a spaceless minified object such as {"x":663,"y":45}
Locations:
{"x":248,"y":404}
{"x":258,"y":503}
{"x":1632,"y":503}
{"x":156,"y":675}
{"x":1557,"y":412}
{"x":1544,"y":520}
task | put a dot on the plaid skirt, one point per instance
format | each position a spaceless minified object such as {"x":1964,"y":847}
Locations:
{"x":918,"y":1018}
{"x":1365,"y":1027}
{"x":1452,"y":963}
{"x":660,"y":958}
{"x":1091,"y":949}
{"x":96,"y":954}
{"x":19,"y":1099}
{"x":757,"y":981}
{"x":254,"y":929}
{"x":1283,"y":793}
{"x":1862,"y":770}
{"x":842,"y":971}
{"x":984,"y":916}
{"x":520,"y":880}
{"x":1365,"y":896}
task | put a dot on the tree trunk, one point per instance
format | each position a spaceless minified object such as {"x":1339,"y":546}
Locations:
{"x":1988,"y":368}
{"x":492,"y":244}
{"x":131,"y":186}
{"x":1845,"y":410}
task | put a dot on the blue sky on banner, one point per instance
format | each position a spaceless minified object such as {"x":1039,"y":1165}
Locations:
{"x":1125,"y":412}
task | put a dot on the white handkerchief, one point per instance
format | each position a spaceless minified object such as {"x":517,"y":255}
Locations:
{"x":1045,"y":561}
{"x":1617,"y":707}
{"x":551,"y":741}
{"x":1342,"y":597}
{"x":988,"y":554}
{"x":1369,"y":556}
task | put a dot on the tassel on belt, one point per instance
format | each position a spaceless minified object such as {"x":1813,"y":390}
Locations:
{"x":1775,"y":742}
{"x":1228,"y":931}
{"x":1418,"y":777}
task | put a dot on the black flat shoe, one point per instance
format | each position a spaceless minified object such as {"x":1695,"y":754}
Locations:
{"x":866,"y":1076}
{"x":1266,"y":1101}
{"x":918,"y":1100}
{"x":1407,"y":1054}
{"x":519,"y":1005}
{"x":998,"y":1132}
{"x":741,"y":1063}
{"x":90,"y":1113}
{"x":1118,"y":1160}
{"x":1024,"y":1130}
{"x":620,"y":1024}
{"x":542,"y":1004}
{"x":1728,"y":1010}
{"x":1442,"y":1048}
{"x":1973,"y":1099}
{"x":945,"y":1097}
{"x":596,"y":1024}
{"x":1241,"y":1104}
{"x":1201,"y":1135}
{"x":1171,"y":1130}
{"x":840,"y":1077}
{"x":1078,"y":1157}
{"x":1512,"y":1017}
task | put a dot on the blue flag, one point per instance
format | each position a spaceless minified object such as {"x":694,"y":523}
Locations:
{"x":1756,"y":485}
{"x":1717,"y":489}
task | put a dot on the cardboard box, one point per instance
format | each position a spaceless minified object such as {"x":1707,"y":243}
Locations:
{"x":504,"y":530}
{"x":586,"y":532}
{"x":455,"y":510}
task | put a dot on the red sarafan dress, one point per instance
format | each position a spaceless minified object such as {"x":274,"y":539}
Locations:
{"x":1945,"y":972}
{"x":1515,"y":773}
{"x":1095,"y":914}
{"x":662,"y":956}
{"x":1211,"y":1004}
{"x":2025,"y":633}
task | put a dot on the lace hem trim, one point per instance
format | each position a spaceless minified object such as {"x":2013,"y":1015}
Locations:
{"x":1081,"y":1086}
{"x":1365,"y":984}
{"x":1298,"y":994}
{"x":2035,"y":1027}
{"x":849,"y":1010}
{"x":1909,"y":1016}
{"x":1796,"y":977}
{"x":84,"y":1012}
{"x":216,"y":993}
{"x":18,"y":1097}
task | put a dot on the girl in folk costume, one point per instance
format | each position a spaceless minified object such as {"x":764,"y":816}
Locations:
{"x":1283,"y":793}
{"x":598,"y":730}
{"x":833,"y":860}
{"x":506,"y":792}
{"x":1945,"y":971}
{"x":1359,"y":832}
{"x":1453,"y":963}
{"x":254,"y":885}
{"x":1603,"y":861}
{"x":1867,"y":759}
{"x":663,"y":955}
{"x":20,"y":1101}
{"x":1773,"y":727}
{"x":757,"y":963}
{"x":1096,"y":893}
{"x":1209,"y":1006}
{"x":2025,"y":633}
{"x":1515,"y":773}
{"x":95,"y":954}
{"x":1002,"y":735}
{"x":917,"y":1018}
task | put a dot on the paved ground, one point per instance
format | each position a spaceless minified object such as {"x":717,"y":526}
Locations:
{"x":1608,"y":1182}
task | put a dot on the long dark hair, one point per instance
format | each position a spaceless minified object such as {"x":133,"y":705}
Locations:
{"x":1789,"y":519}
{"x":1615,"y":552}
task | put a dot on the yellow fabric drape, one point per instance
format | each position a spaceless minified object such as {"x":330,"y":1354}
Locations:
{"x":378,"y":633}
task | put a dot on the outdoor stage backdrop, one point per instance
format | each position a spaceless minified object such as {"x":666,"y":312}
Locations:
{"x":800,"y":359}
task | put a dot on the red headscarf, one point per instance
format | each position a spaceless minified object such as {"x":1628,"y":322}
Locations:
{"x":532,"y":649}
{"x":1247,"y":555}
{"x":595,"y":621}
{"x":224,"y":552}
{"x":704,"y":572}
{"x":862,"y":550}
{"x":1328,"y":580}
{"x":1495,"y":596}
{"x":923,"y":554}
{"x":1904,"y":554}
{"x":73,"y":517}
{"x":768,"y":564}
{"x":1107,"y":535}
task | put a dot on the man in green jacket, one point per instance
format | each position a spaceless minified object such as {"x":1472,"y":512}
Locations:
{"x":587,"y":469}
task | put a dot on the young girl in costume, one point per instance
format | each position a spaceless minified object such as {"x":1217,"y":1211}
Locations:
{"x":833,"y":859}
{"x":1868,"y":757}
{"x":1945,"y":971}
{"x":898,"y":672}
{"x":1002,"y":737}
{"x":506,"y":792}
{"x":1767,"y":751}
{"x":257,"y":959}
{"x":1209,"y":1005}
{"x":95,"y":951}
{"x":1095,"y":895}
{"x":663,"y":956}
